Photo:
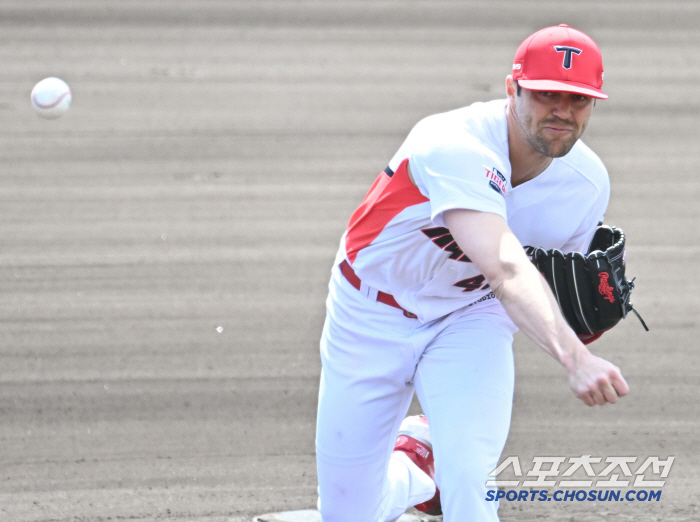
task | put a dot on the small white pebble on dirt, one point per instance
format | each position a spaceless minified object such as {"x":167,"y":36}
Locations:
{"x":219,"y":329}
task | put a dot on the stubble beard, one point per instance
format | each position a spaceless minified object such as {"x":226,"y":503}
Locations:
{"x":544,"y":146}
{"x":551,"y":149}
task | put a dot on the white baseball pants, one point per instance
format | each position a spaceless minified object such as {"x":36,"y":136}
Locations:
{"x":460,"y":366}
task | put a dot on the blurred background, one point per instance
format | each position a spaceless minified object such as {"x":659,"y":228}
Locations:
{"x":165,"y":245}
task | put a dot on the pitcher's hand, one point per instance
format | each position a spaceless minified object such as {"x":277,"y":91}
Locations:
{"x":597,"y":381}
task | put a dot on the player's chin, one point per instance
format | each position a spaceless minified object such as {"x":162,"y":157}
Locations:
{"x":558,"y":149}
{"x":553,"y":147}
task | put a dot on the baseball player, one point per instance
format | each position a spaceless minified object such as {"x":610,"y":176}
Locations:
{"x":433,"y":278}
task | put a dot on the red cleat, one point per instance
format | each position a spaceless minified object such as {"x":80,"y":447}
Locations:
{"x":414,"y":440}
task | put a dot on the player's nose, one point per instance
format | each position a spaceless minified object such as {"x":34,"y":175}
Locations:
{"x":563,"y":108}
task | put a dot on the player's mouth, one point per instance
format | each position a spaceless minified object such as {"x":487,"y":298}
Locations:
{"x":559,"y":133}
{"x":557,"y":129}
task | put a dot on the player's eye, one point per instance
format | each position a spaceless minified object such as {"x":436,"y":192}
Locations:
{"x":548,"y":96}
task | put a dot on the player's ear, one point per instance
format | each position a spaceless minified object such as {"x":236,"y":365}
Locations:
{"x":511,"y":86}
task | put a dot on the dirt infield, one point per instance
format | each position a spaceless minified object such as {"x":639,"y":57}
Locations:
{"x":165,"y":246}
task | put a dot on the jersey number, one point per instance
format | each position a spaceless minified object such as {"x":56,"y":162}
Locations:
{"x":473,"y":283}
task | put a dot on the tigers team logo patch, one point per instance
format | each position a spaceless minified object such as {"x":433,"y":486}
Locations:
{"x":497,"y":181}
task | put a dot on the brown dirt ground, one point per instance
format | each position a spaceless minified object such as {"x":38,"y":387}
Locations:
{"x":202,"y":179}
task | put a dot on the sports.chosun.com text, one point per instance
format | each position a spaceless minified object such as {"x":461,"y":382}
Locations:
{"x":574,"y":495}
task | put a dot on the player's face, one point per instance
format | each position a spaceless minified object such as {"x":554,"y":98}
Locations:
{"x":552,"y":122}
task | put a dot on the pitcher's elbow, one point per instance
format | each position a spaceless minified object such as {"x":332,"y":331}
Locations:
{"x":500,"y":275}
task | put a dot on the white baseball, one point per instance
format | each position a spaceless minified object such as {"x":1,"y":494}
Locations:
{"x":51,"y":97}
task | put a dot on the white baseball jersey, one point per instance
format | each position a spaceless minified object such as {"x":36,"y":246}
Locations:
{"x":397,"y":241}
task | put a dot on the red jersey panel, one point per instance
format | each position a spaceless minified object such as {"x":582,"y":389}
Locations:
{"x":387,"y":197}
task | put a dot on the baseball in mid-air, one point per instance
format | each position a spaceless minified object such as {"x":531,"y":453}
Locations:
{"x":51,"y":97}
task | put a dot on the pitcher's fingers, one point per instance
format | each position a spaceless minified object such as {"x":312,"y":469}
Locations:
{"x":609,"y":392}
{"x":619,"y":383}
{"x":586,"y":398}
{"x":597,"y":396}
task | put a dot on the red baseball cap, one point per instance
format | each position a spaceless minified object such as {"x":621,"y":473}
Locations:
{"x":560,"y":59}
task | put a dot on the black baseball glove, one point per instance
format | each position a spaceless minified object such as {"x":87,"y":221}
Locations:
{"x":591,"y":289}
